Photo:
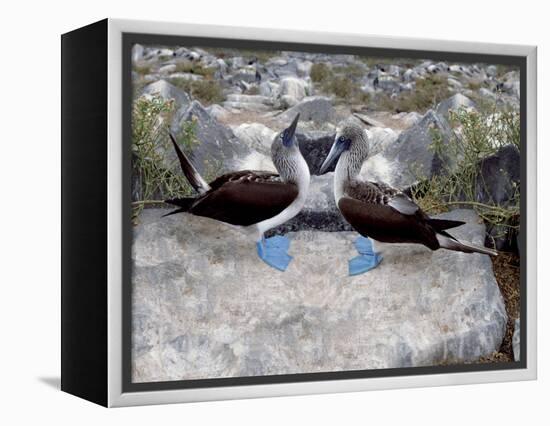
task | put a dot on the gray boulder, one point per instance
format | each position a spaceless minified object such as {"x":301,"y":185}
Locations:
{"x":315,"y":146}
{"x":137,"y":53}
{"x":167,"y":69}
{"x":499,"y":176}
{"x":486,"y":93}
{"x":516,"y":340}
{"x":407,"y":119}
{"x":491,"y":70}
{"x":314,"y":108}
{"x":320,"y":212}
{"x":204,"y":305}
{"x":168,"y":91}
{"x":293,"y":90}
{"x":218,"y":149}
{"x":268,"y":88}
{"x":217,"y":111}
{"x":247,"y":75}
{"x":454,"y":103}
{"x":497,"y":184}
{"x":256,"y":103}
{"x":256,"y":136}
{"x":410,"y":75}
{"x":410,"y":158}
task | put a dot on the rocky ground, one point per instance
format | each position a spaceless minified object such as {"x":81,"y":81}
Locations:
{"x":206,"y":306}
{"x":238,"y":101}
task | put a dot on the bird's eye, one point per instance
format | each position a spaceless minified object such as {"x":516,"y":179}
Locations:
{"x":282,"y":135}
{"x":342,"y":139}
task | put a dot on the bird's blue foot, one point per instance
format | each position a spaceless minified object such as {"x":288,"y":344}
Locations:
{"x":367,"y":258}
{"x":273,"y":251}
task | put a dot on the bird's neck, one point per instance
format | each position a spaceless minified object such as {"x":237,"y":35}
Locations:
{"x":295,"y":171}
{"x":347,"y":168}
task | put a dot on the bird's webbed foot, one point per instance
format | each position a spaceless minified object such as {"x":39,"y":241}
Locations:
{"x":368,"y":259}
{"x":273,"y":251}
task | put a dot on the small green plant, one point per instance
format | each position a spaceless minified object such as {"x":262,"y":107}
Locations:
{"x":428,"y":93}
{"x":194,"y":68}
{"x":320,"y":72}
{"x":153,"y":173}
{"x":474,"y":85}
{"x":341,"y":82}
{"x":252,"y":90}
{"x":372,"y":61}
{"x":482,"y":134}
{"x":353,"y":71}
{"x":346,"y":89}
{"x":143,"y":68}
{"x":206,"y":91}
{"x":261,"y":56}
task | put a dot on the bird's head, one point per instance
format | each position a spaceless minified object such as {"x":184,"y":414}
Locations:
{"x":286,"y":155}
{"x":287,"y":137}
{"x":351,"y":138}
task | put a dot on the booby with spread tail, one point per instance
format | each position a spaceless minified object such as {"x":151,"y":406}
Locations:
{"x":378,"y":211}
{"x":255,"y":201}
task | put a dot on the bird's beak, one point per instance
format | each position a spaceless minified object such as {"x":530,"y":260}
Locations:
{"x":289,"y":137}
{"x":333,"y":155}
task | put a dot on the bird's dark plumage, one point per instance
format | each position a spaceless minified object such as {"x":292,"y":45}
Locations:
{"x":241,"y":198}
{"x":386,"y":214}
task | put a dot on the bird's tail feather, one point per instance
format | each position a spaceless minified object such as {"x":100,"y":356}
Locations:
{"x":192,"y":175}
{"x":451,"y":243}
{"x":174,"y":212}
{"x":442,"y":224}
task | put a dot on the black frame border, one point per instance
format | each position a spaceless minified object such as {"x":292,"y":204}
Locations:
{"x":129,"y":39}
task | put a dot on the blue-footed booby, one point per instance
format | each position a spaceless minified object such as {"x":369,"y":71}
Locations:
{"x":255,"y":201}
{"x":379,"y":212}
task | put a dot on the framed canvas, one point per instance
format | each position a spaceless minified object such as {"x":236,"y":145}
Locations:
{"x":251,"y":212}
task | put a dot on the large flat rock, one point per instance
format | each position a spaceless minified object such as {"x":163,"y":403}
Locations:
{"x":205,"y":306}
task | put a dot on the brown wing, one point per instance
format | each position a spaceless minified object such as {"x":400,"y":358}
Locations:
{"x":245,"y":198}
{"x":245,"y":175}
{"x":384,"y":223}
{"x":379,"y":193}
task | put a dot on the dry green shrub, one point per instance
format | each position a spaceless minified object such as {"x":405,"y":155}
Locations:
{"x":250,"y":55}
{"x":474,"y":85}
{"x":143,"y":68}
{"x":341,"y":84}
{"x":428,"y":93}
{"x":381,"y":62}
{"x":206,"y":91}
{"x":320,"y":72}
{"x":353,"y":71}
{"x":252,"y":90}
{"x":194,"y":68}
{"x":482,"y":134}
{"x":346,"y":89}
{"x":154,"y":178}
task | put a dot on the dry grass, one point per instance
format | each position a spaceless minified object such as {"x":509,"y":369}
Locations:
{"x":428,"y":93}
{"x":340,"y":82}
{"x":194,"y":68}
{"x":150,"y":118}
{"x":261,"y":56}
{"x":143,"y":68}
{"x":506,"y":267}
{"x":482,"y":135}
{"x":320,"y":72}
{"x":207,"y":92}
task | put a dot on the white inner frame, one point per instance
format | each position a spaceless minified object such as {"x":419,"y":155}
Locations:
{"x":114,"y":216}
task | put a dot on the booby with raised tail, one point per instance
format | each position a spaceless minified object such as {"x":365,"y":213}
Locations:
{"x":255,"y":201}
{"x":379,"y":212}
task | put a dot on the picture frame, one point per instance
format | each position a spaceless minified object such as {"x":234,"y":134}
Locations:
{"x":97,"y":96}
